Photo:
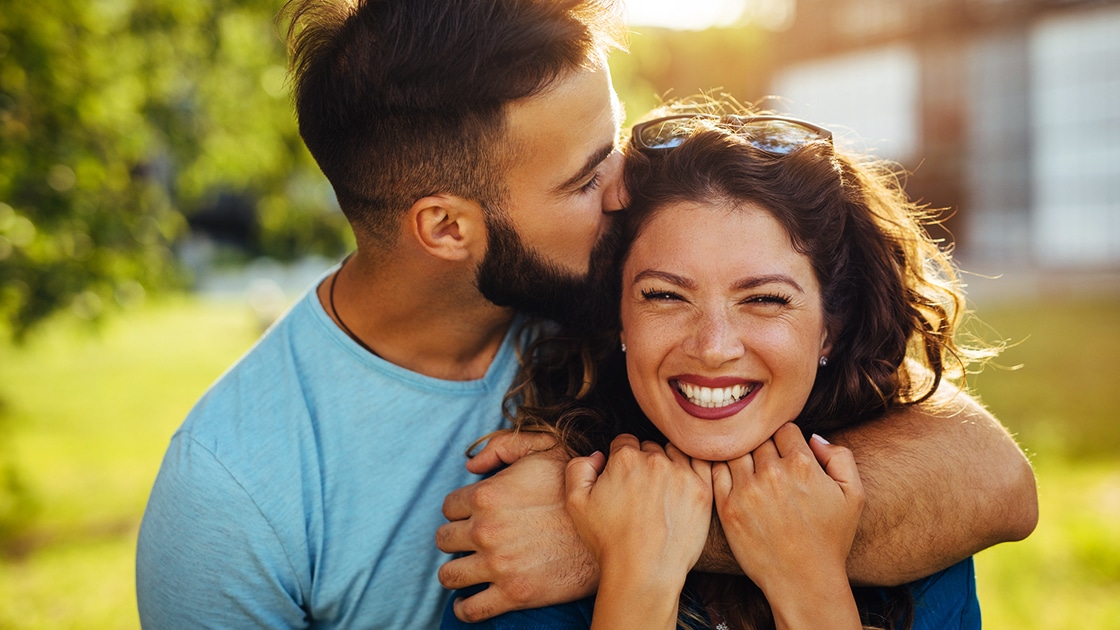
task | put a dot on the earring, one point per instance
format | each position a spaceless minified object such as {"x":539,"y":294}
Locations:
{"x":823,"y":362}
{"x":624,"y":346}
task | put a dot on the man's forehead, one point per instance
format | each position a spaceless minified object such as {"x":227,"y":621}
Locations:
{"x":569,"y":124}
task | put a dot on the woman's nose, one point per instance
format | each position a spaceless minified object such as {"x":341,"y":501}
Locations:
{"x":715,"y":340}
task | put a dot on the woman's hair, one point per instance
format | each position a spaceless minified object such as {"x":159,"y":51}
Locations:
{"x":400,"y":99}
{"x":890,"y":296}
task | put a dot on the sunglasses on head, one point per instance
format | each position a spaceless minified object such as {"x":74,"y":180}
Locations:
{"x":778,"y":135}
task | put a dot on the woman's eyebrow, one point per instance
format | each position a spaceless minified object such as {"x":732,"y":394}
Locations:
{"x":671,"y":278}
{"x":757,"y":281}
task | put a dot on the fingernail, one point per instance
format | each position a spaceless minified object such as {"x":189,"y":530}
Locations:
{"x":820,"y":439}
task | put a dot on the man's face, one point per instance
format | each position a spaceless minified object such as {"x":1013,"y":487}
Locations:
{"x":561,"y":189}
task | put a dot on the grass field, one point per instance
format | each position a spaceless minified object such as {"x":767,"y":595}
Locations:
{"x":87,"y":416}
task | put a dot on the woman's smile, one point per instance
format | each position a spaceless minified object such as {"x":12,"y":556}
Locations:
{"x":712,"y":402}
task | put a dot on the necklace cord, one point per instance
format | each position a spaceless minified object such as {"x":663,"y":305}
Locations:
{"x":334,"y":309}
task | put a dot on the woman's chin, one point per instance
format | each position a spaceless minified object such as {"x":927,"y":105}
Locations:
{"x":715,"y":452}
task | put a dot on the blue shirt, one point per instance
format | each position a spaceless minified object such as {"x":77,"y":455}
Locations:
{"x":305,"y":487}
{"x":943,"y":601}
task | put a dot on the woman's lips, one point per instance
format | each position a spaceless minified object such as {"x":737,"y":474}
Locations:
{"x":713,"y":398}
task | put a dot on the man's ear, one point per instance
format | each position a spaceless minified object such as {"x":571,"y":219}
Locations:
{"x":448,"y":227}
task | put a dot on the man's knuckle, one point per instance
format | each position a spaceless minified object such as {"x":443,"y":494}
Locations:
{"x":443,"y":538}
{"x":519,"y":592}
{"x":485,"y":535}
{"x":448,"y":503}
{"x":449,"y":576}
{"x":474,"y":611}
{"x":484,"y":497}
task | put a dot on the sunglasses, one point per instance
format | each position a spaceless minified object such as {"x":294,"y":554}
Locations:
{"x":778,"y":135}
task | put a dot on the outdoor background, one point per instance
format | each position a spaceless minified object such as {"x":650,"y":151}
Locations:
{"x":157,"y":211}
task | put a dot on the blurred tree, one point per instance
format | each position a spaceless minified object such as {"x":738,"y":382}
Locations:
{"x":119,"y":119}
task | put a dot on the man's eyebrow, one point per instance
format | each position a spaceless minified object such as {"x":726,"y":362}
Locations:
{"x":589,"y":167}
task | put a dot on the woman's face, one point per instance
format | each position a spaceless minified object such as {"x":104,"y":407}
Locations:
{"x":723,"y":326}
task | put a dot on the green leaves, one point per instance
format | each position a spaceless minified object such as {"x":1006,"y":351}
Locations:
{"x":121,"y":118}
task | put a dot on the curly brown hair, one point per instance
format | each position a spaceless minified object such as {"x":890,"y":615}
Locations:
{"x":891,"y":297}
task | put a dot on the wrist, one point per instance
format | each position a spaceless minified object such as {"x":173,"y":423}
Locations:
{"x":636,"y":598}
{"x":826,"y":601}
{"x":640,"y":572}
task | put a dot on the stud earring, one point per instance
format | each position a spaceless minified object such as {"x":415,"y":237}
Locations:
{"x":624,"y":346}
{"x":823,"y":362}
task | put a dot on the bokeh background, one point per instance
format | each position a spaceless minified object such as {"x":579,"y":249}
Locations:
{"x":157,"y":212}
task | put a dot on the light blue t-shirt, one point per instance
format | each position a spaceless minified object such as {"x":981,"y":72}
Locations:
{"x":304,"y":489}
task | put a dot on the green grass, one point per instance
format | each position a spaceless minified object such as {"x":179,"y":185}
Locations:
{"x":87,"y":418}
{"x":1068,"y":358}
{"x":1060,"y":405}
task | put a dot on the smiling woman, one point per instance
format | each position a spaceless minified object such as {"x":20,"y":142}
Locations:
{"x":770,"y":286}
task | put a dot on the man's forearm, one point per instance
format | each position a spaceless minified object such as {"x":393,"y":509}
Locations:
{"x":943,"y":481}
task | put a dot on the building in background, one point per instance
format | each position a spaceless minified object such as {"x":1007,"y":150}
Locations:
{"x":1006,"y":111}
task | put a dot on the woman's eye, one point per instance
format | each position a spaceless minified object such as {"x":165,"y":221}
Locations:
{"x":654,"y":295}
{"x":768,"y":300}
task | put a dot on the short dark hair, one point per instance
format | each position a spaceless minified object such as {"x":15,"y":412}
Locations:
{"x":400,"y":99}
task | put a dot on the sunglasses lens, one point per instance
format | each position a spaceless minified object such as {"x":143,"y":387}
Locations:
{"x":775,"y":136}
{"x":778,"y":136}
{"x":668,"y":134}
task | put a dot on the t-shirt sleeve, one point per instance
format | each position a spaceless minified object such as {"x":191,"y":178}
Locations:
{"x":947,"y":599}
{"x":206,"y":555}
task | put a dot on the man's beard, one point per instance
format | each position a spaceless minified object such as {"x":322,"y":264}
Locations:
{"x":512,"y":274}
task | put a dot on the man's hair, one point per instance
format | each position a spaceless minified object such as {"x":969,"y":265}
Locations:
{"x":400,"y":99}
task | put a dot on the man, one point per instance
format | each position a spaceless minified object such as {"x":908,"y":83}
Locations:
{"x":471,"y":144}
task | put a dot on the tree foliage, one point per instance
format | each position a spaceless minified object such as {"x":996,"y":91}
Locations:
{"x":119,"y":119}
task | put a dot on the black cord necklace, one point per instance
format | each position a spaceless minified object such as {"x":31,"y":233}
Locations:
{"x":337,"y":316}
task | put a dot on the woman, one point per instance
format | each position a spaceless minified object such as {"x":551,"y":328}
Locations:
{"x":766,"y":278}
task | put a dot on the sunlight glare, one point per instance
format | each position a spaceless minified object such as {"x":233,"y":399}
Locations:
{"x":690,"y":15}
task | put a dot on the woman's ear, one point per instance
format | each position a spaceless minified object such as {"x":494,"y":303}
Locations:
{"x":448,"y":227}
{"x":826,"y":342}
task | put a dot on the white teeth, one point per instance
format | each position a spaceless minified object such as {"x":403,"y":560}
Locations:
{"x":712,"y":397}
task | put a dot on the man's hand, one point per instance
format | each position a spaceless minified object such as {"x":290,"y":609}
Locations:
{"x":516,"y":530}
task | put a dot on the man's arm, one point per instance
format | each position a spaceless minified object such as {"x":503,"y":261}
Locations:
{"x":944,"y":480}
{"x":206,"y":557}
